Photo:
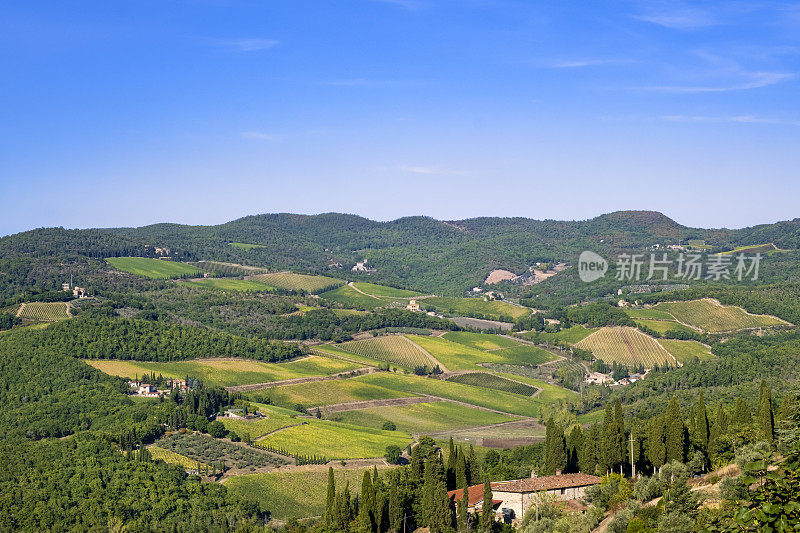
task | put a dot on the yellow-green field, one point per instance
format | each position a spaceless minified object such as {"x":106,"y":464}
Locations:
{"x":231,"y":284}
{"x":455,"y":356}
{"x":295,"y":494}
{"x":44,"y":311}
{"x":626,"y":345}
{"x":227,"y":372}
{"x":393,"y":349}
{"x":383,"y":291}
{"x":152,"y":268}
{"x":349,"y":297}
{"x":570,"y":335}
{"x":295,"y":282}
{"x":663,"y":326}
{"x":479,"y":341}
{"x":422,"y":418}
{"x":709,"y":315}
{"x":492,"y":310}
{"x":321,"y":393}
{"x":334,"y":440}
{"x":686,"y":350}
{"x":168,"y":456}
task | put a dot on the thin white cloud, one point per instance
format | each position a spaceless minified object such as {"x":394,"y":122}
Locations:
{"x":683,"y":19}
{"x":739,"y":119}
{"x":260,"y":136}
{"x":432,"y":171}
{"x":753,"y":80}
{"x":250,"y":45}
{"x":581,"y":63}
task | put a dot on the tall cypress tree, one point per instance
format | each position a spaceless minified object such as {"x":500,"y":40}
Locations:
{"x":574,"y":448}
{"x":766,"y":418}
{"x":395,"y":518}
{"x":330,"y":503}
{"x":656,"y":446}
{"x":462,"y":512}
{"x":610,"y":453}
{"x":452,"y":458}
{"x":741,"y":413}
{"x":621,"y":450}
{"x":720,"y":426}
{"x":674,"y":431}
{"x":487,"y":511}
{"x":473,"y":469}
{"x":555,"y":449}
{"x":461,"y":469}
{"x":441,"y":517}
{"x":700,"y":429}
{"x":365,"y":505}
{"x":588,"y":456}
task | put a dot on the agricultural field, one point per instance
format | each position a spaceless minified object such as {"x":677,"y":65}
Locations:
{"x":202,"y":448}
{"x":478,"y":396}
{"x":709,"y":315}
{"x":168,"y":456}
{"x":153,"y":268}
{"x":382,"y":291}
{"x":44,"y":311}
{"x":392,"y":349}
{"x":686,"y":350}
{"x":572,"y":335}
{"x":349,"y":297}
{"x":663,"y":326}
{"x":334,"y":351}
{"x":493,"y":309}
{"x":227,"y":372}
{"x":480,"y":341}
{"x":297,"y":282}
{"x":626,"y":345}
{"x":334,"y":440}
{"x":490,"y":381}
{"x":231,"y":284}
{"x":455,"y":356}
{"x":294,"y":494}
{"x":257,"y":428}
{"x":422,"y":418}
{"x":321,"y":393}
{"x":649,"y":314}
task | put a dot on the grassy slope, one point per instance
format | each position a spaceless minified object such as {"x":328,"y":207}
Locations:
{"x":393,"y":349}
{"x":384,"y":291}
{"x":712,"y":317}
{"x":227,"y":284}
{"x":457,"y":356}
{"x":349,"y":297}
{"x":492,"y":309}
{"x":479,"y":341}
{"x":152,"y":268}
{"x":686,"y":350}
{"x":662,"y":326}
{"x":330,"y":392}
{"x":625,"y":345}
{"x":293,"y":281}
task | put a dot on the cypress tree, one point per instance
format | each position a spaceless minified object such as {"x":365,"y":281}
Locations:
{"x":609,"y":448}
{"x":588,"y":456}
{"x":473,"y":470}
{"x":766,"y":418}
{"x":720,"y":426}
{"x":462,"y":516}
{"x":452,"y":458}
{"x":441,"y":517}
{"x":330,"y":504}
{"x":461,"y":469}
{"x":395,"y":518}
{"x":487,"y":511}
{"x":555,"y":449}
{"x":675,"y":429}
{"x":700,"y":430}
{"x":656,"y":445}
{"x":741,"y":413}
{"x":417,"y":466}
{"x":620,"y":448}
{"x":365,"y":505}
{"x":574,"y":448}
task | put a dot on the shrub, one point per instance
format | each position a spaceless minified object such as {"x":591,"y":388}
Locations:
{"x":393,"y":454}
{"x":217,"y":430}
{"x":389,"y":426}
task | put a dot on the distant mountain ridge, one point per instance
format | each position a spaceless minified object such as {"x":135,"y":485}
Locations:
{"x":417,"y":252}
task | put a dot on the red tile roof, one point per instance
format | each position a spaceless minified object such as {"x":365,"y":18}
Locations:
{"x":535,"y":484}
{"x":474,"y":493}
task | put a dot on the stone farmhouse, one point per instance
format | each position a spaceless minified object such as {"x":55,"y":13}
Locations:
{"x":512,"y":499}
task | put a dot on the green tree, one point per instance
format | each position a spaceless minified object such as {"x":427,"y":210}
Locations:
{"x":766,"y":417}
{"x":674,"y":437}
{"x":487,"y":511}
{"x":330,"y":503}
{"x":720,"y":426}
{"x":365,"y":505}
{"x":700,"y":427}
{"x":741,"y":413}
{"x":462,"y":513}
{"x":555,"y":449}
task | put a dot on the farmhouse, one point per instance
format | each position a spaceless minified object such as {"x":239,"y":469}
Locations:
{"x":361,"y":266}
{"x":512,"y":499}
{"x":413,"y":306}
{"x":79,"y":292}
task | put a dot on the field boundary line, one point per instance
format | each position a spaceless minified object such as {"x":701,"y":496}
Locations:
{"x":21,"y":307}
{"x":427,"y":354}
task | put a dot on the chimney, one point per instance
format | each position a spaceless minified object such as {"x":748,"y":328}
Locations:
{"x":558,"y":472}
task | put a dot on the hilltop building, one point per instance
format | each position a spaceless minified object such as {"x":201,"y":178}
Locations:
{"x":413,"y":306}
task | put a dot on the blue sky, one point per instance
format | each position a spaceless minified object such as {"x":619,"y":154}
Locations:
{"x":127,"y":113}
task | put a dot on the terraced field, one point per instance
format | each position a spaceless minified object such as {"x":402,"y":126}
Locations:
{"x":480,"y":341}
{"x":626,"y":345}
{"x":392,"y":349}
{"x":229,"y":284}
{"x":292,"y":494}
{"x":490,"y":381}
{"x":422,"y":418}
{"x":153,"y":268}
{"x":492,"y":309}
{"x":686,"y":350}
{"x":709,"y":315}
{"x":294,"y":282}
{"x":382,"y":291}
{"x":44,"y":311}
{"x":321,"y":393}
{"x":334,"y":440}
{"x":227,"y":372}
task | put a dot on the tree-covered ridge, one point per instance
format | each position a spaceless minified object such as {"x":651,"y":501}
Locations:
{"x":146,"y":340}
